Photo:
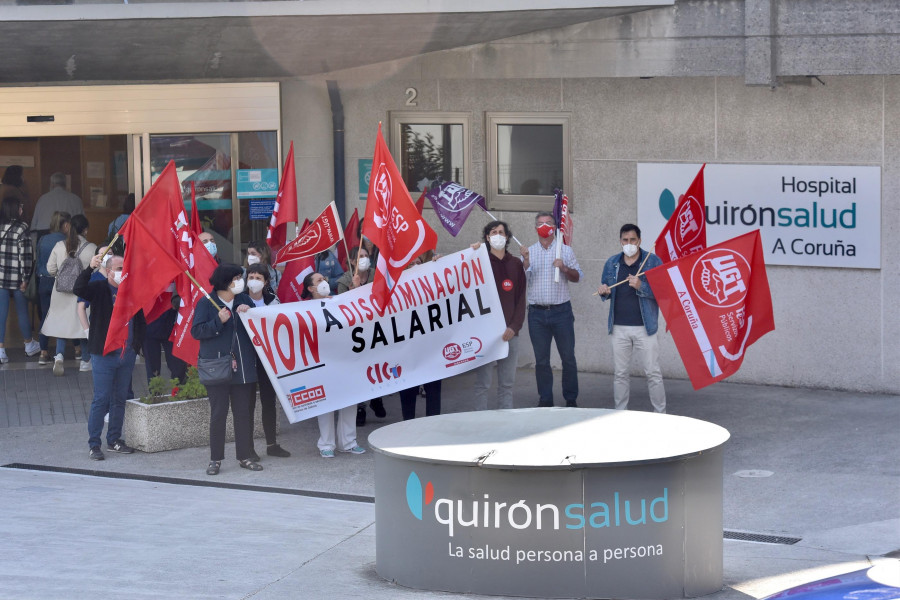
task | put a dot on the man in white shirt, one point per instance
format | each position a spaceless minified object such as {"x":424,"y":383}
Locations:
{"x":550,"y":310}
{"x":58,"y":198}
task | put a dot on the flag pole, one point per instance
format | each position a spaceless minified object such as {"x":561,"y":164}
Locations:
{"x":558,"y":255}
{"x":111,"y":243}
{"x":200,"y":287}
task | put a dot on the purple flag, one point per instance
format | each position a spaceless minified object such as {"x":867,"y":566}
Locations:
{"x":453,"y":203}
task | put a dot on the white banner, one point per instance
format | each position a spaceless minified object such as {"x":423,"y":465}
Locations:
{"x":814,"y":216}
{"x":321,"y":355}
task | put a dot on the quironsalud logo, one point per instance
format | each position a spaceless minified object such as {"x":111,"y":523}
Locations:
{"x":417,"y":497}
{"x":666,"y":203}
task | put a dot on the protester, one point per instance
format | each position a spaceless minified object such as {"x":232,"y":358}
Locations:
{"x":550,"y":310}
{"x":633,"y":317}
{"x":259,"y":253}
{"x":366,"y":243}
{"x":62,"y":317}
{"x":16,"y":264}
{"x":157,"y":341}
{"x":432,"y":389}
{"x":361,"y":272}
{"x":209,"y":242}
{"x":56,"y":199}
{"x":509,"y":276}
{"x":328,"y":265}
{"x":221,"y":332}
{"x":262,"y":295}
{"x":111,"y":371}
{"x":59,"y":229}
{"x":315,"y":287}
{"x":127,"y":209}
{"x":83,"y":305}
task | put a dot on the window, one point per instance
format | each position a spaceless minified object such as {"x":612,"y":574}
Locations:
{"x":430,"y":146}
{"x":528,"y":157}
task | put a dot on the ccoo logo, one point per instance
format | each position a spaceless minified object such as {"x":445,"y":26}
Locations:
{"x":416,"y":497}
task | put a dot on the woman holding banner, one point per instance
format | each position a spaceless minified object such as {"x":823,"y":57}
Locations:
{"x":315,"y":287}
{"x":221,"y":333}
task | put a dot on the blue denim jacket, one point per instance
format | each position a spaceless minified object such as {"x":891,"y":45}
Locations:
{"x":649,"y":307}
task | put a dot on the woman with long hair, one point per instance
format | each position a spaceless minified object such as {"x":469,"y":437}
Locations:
{"x":59,"y":230}
{"x":258,"y":253}
{"x":16,"y":263}
{"x":62,"y":318}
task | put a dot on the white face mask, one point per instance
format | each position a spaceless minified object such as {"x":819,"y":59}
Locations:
{"x":117,"y":277}
{"x":364,"y":263}
{"x":498,"y":242}
{"x":323,"y":288}
{"x":255,"y":285}
{"x":629,"y":250}
{"x":252,"y":259}
{"x":237,"y":287}
{"x":211,"y":247}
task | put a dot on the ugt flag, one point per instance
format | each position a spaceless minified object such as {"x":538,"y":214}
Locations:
{"x":290,"y":289}
{"x":393,"y":224}
{"x":562,"y":216}
{"x":453,"y":203}
{"x":685,"y":231}
{"x":716,"y":303}
{"x":320,"y":235}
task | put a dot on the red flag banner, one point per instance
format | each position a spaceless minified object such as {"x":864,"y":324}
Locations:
{"x":716,"y":304}
{"x":320,"y":235}
{"x":285,"y":210}
{"x":148,"y":270}
{"x":393,"y":224}
{"x":290,"y":288}
{"x":351,"y":239}
{"x":685,"y":231}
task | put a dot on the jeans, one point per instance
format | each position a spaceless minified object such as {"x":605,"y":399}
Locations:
{"x":625,"y":340}
{"x":112,"y":379}
{"x":238,"y":396}
{"x":21,"y":310}
{"x":432,"y":400}
{"x":543,"y":326}
{"x":506,"y":379}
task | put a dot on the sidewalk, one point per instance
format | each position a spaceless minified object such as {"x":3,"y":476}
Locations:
{"x":308,"y":532}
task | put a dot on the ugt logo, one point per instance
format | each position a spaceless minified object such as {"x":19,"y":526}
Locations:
{"x":690,"y":222}
{"x":719,"y":278}
{"x":416,"y":499}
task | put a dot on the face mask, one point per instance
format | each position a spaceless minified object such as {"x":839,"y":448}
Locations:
{"x":255,"y":285}
{"x":364,"y":263}
{"x":498,"y":242}
{"x":117,"y":277}
{"x":323,"y":288}
{"x":545,"y":230}
{"x":629,"y":250}
{"x":211,"y":246}
{"x":237,"y":287}
{"x":252,"y":260}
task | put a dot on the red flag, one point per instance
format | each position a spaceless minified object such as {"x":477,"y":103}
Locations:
{"x":196,"y":226}
{"x":290,"y":288}
{"x":285,"y":210}
{"x":393,"y":224}
{"x":563,"y":217}
{"x":320,"y":235}
{"x":202,"y":264}
{"x":351,"y":239}
{"x":148,"y":270}
{"x":716,"y":303}
{"x":685,"y":231}
{"x":420,"y":203}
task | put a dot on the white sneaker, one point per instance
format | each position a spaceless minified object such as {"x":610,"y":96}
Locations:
{"x":85,"y":366}
{"x":3,"y":357}
{"x":32,"y":347}
{"x":58,"y":368}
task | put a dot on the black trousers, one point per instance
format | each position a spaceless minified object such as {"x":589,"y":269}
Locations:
{"x":238,"y":396}
{"x":432,"y":400}
{"x":152,"y":348}
{"x":268,"y":405}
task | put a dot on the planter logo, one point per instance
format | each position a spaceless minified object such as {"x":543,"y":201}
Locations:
{"x":719,"y":277}
{"x":415,"y":498}
{"x":379,"y":373}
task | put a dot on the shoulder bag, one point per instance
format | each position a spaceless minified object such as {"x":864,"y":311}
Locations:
{"x":217,"y":371}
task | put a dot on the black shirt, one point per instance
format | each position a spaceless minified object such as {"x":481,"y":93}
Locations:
{"x":627,"y":309}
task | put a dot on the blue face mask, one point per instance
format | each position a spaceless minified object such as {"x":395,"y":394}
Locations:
{"x":211,"y":246}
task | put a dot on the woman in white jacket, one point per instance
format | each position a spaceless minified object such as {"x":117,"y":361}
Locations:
{"x":62,"y":319}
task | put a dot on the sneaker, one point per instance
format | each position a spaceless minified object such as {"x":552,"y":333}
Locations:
{"x":360,"y":416}
{"x":120,"y":447}
{"x":58,"y":368}
{"x":44,"y":358}
{"x":378,"y":408}
{"x":3,"y":357}
{"x":326,"y":453}
{"x":32,"y":347}
{"x":355,"y":450}
{"x":85,"y":366}
{"x":96,"y":453}
{"x":276,"y":450}
{"x":78,"y":352}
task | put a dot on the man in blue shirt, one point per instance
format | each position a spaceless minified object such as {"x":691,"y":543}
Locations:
{"x":633,"y":317}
